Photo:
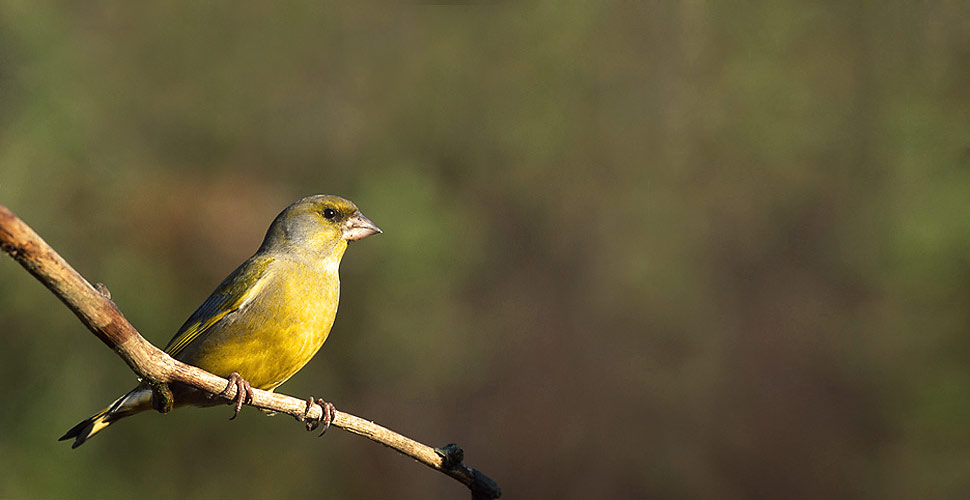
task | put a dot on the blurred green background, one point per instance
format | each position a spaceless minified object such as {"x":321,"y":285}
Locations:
{"x":642,"y":250}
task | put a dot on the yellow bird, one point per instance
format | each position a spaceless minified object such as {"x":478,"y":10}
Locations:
{"x":267,"y":319}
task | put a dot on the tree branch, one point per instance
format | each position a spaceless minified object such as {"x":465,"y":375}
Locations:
{"x":99,"y":313}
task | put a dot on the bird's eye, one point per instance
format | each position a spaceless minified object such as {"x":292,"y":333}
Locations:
{"x":329,"y":213}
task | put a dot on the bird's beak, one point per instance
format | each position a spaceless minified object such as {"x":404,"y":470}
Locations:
{"x":358,"y":227}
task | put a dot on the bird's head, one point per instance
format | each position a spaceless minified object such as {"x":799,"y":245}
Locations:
{"x":319,"y":225}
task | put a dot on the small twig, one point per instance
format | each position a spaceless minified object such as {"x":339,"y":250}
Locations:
{"x":94,"y":307}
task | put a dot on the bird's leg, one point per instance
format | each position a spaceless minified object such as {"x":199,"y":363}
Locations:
{"x":329,"y":413}
{"x":244,"y":392}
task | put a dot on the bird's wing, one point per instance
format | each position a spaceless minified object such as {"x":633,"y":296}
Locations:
{"x":230,"y":296}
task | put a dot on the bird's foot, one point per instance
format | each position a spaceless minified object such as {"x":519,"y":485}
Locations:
{"x":244,"y":392}
{"x":329,"y":413}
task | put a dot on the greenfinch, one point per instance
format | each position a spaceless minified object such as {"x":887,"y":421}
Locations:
{"x":267,"y":319}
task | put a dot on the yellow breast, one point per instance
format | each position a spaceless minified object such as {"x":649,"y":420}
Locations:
{"x":278,"y":331}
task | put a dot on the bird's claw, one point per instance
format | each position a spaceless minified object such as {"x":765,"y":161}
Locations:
{"x":329,"y":413}
{"x":244,"y":392}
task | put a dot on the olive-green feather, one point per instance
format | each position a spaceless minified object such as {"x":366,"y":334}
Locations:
{"x":234,"y":291}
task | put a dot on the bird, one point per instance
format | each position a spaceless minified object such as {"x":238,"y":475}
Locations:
{"x":265,"y":320}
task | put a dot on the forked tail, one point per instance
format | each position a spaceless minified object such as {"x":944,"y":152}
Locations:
{"x":136,"y":401}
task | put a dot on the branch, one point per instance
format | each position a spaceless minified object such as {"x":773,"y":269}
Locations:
{"x":100,"y":314}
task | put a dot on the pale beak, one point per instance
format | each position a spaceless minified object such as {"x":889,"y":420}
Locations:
{"x":358,"y":227}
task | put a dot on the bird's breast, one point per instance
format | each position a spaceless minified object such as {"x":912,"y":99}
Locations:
{"x":278,"y":331}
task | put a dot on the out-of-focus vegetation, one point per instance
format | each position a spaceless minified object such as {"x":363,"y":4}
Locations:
{"x":675,"y":250}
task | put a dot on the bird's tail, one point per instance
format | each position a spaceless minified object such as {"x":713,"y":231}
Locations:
{"x":136,"y":401}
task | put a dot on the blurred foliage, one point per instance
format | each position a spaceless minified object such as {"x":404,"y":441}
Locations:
{"x":642,"y":250}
